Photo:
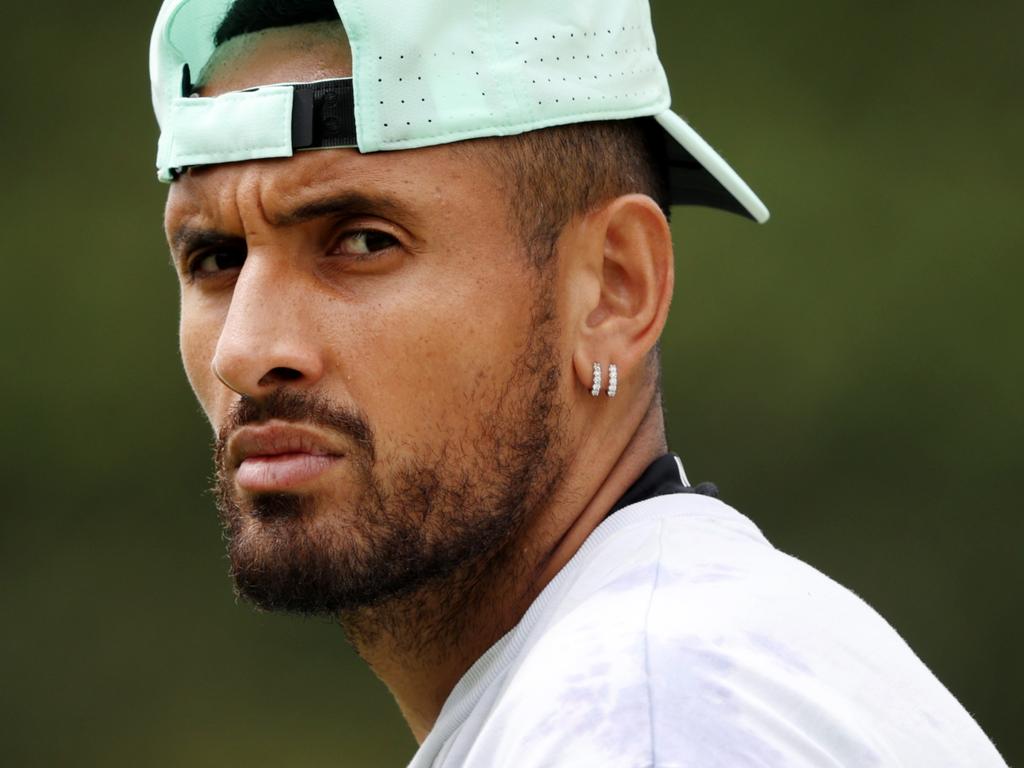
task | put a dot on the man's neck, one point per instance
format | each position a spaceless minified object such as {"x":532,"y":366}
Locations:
{"x":421,"y":644}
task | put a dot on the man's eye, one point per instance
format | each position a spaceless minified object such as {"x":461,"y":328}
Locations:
{"x":215,"y":261}
{"x":364,"y":242}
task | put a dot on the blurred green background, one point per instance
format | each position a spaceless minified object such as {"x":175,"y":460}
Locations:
{"x":850,"y":375}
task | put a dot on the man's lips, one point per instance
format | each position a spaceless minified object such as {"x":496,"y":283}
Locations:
{"x":280,"y":456}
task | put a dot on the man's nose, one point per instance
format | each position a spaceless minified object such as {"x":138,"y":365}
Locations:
{"x":269,"y":337}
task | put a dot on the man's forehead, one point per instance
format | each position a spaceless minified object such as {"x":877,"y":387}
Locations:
{"x":411,"y":186}
{"x":199,"y":226}
{"x":299,"y":53}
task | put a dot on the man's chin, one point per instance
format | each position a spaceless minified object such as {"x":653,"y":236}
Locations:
{"x":270,"y":507}
{"x":285,"y":557}
{"x":303,"y":554}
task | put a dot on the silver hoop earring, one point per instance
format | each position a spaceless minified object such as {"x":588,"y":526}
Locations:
{"x":595,"y":388}
{"x":613,"y":379}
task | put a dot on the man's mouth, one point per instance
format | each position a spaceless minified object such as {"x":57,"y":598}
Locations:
{"x":280,"y":456}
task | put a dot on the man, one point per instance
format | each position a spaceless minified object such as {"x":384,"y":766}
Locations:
{"x":429,"y":352}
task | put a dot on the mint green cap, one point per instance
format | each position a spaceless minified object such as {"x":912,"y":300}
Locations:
{"x":437,"y":71}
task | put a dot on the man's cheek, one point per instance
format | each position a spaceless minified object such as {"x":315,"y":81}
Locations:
{"x":197,"y":347}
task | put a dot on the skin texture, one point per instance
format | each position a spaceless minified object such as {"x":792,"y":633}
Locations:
{"x":446,"y":377}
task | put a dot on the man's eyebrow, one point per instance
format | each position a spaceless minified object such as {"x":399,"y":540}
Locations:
{"x":187,"y":239}
{"x":347,"y":204}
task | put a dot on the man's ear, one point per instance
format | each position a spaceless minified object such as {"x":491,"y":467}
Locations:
{"x":626,"y":279}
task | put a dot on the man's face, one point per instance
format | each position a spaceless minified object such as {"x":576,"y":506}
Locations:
{"x":378,"y":358}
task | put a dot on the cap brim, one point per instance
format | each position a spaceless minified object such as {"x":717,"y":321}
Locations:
{"x":699,"y":175}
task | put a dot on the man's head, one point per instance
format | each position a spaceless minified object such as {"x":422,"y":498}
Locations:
{"x":568,"y":169}
{"x":395,"y":348}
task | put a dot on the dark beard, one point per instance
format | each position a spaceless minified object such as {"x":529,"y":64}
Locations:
{"x":418,"y":521}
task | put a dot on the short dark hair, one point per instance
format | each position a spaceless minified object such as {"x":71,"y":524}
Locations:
{"x":245,"y":16}
{"x":567,"y":169}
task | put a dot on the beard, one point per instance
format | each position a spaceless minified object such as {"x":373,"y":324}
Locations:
{"x":412,"y":521}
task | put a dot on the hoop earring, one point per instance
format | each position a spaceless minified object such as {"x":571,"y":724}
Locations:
{"x":613,"y":380}
{"x":595,"y":388}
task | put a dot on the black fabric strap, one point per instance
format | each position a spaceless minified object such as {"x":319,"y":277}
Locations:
{"x":660,"y":479}
{"x":323,"y":115}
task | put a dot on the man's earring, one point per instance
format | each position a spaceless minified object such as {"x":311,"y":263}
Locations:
{"x":595,"y":389}
{"x":613,"y":379}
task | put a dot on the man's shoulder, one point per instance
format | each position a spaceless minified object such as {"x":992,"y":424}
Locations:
{"x":686,"y":563}
{"x":680,"y":567}
{"x":680,"y":633}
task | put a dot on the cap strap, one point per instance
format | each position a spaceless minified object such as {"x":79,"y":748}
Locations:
{"x":263,"y":122}
{"x":323,"y":114}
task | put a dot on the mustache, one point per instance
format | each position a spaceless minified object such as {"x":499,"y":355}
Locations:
{"x":289,"y":405}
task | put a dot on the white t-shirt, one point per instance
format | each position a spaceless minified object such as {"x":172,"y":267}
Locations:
{"x":678,"y":637}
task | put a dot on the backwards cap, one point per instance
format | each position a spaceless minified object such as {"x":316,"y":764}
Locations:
{"x":432,"y":72}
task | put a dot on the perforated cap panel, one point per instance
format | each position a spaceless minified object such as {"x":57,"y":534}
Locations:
{"x":441,"y":71}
